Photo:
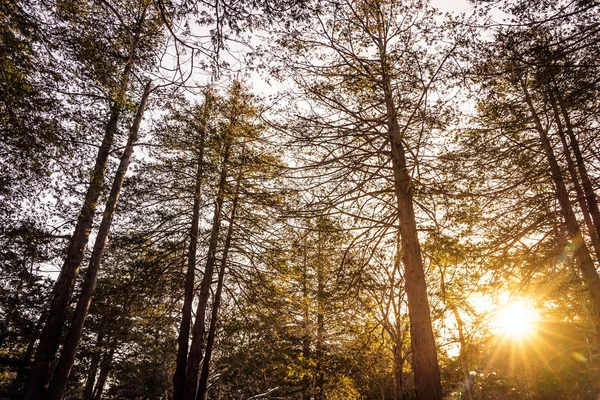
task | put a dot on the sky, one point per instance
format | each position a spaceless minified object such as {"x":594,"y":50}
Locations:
{"x":455,"y":6}
{"x":202,"y":77}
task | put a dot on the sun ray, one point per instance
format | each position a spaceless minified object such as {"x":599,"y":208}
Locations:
{"x":515,"y":321}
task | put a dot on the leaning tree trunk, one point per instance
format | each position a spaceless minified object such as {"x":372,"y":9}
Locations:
{"x":203,"y":386}
{"x":586,"y":264}
{"x":581,"y":198}
{"x":186,"y":317}
{"x":195,"y":356}
{"x":590,"y":196}
{"x":67,"y":357}
{"x":63,"y":288}
{"x":424,"y":355}
{"x":105,"y":368}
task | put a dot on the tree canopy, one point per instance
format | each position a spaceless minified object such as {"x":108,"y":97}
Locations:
{"x":308,"y":200}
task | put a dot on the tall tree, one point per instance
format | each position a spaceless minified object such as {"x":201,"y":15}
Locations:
{"x":536,"y":117}
{"x":373,"y":79}
{"x":200,"y":127}
{"x":237,"y":110}
{"x":67,"y":357}
{"x":210,"y":339}
{"x":135,"y":35}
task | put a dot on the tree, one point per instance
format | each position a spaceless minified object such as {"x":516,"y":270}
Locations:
{"x":201,"y":127}
{"x":67,"y":357}
{"x":368,"y":67}
{"x":516,"y":78}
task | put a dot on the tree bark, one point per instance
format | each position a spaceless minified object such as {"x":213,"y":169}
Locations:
{"x":398,"y":374}
{"x":397,"y":331}
{"x":586,"y":264}
{"x":195,"y":356}
{"x":203,"y":386}
{"x":186,"y":313}
{"x":67,"y":357}
{"x":424,"y":355}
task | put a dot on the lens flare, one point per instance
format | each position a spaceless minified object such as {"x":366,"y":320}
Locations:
{"x":516,"y":320}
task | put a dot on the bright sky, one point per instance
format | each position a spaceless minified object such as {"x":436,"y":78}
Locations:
{"x":237,"y":49}
{"x":456,"y":6}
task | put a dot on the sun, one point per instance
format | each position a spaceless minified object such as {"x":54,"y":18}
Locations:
{"x":516,"y":320}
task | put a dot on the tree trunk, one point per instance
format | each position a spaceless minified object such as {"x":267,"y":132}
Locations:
{"x":320,"y":373}
{"x":186,"y":313}
{"x":67,"y":357}
{"x":590,"y":196}
{"x":203,"y":386}
{"x":575,"y":180}
{"x":94,"y":363}
{"x":424,"y":355}
{"x":306,"y":389}
{"x":397,"y":330}
{"x":195,"y":356}
{"x":63,"y":288}
{"x":586,"y":264}
{"x":50,"y":337}
{"x":105,"y":368}
{"x":398,"y":375}
{"x":462,"y":356}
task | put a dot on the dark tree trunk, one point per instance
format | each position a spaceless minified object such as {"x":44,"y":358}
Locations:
{"x":586,"y":264}
{"x":203,"y":385}
{"x":105,"y":368}
{"x":94,"y":364}
{"x":39,"y":373}
{"x":67,"y":357}
{"x":186,"y":313}
{"x":424,"y":354}
{"x":575,"y":180}
{"x":195,"y":356}
{"x":397,"y":330}
{"x":590,"y":196}
{"x":63,"y":288}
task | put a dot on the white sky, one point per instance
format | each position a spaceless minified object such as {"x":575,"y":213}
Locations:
{"x":454,"y":6}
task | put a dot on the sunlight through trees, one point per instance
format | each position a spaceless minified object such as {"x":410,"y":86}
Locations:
{"x":299,"y":199}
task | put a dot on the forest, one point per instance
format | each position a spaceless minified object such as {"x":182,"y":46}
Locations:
{"x":299,"y":199}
